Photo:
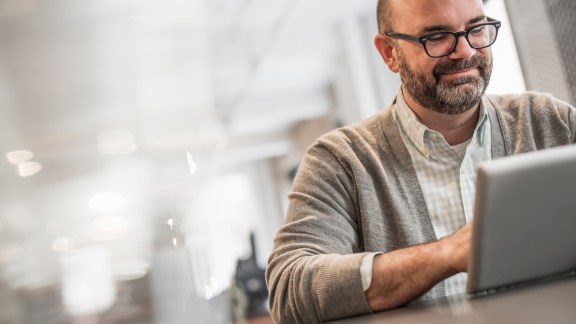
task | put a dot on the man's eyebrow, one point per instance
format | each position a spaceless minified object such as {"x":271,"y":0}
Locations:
{"x":435,"y":28}
{"x":476,"y":19}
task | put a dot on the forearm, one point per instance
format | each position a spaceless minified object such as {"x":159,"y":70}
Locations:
{"x":312,"y":289}
{"x":400,"y":276}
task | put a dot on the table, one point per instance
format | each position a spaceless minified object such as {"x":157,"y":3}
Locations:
{"x":552,"y":302}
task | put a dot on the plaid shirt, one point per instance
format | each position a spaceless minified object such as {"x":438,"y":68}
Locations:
{"x":447,"y":174}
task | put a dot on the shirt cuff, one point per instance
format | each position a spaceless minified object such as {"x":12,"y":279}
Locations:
{"x":366,"y":269}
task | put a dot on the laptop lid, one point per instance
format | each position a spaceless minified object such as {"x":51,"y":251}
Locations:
{"x":524,"y":219}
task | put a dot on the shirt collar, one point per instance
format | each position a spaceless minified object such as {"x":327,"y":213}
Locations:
{"x":417,"y":132}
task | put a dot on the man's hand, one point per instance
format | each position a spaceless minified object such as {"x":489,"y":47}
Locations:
{"x":400,"y":276}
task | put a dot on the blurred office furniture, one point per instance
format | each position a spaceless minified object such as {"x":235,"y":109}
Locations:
{"x":249,"y":292}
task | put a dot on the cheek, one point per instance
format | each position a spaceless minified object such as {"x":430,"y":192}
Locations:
{"x":428,"y":65}
{"x":485,"y":52}
{"x":419,"y":62}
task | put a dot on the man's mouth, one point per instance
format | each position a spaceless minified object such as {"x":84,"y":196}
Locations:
{"x":460,"y":73}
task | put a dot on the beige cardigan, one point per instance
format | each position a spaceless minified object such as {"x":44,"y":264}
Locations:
{"x":356,"y":191}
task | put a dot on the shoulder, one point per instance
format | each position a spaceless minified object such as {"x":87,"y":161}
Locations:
{"x":535,"y":117}
{"x":353,"y":142}
{"x":534,"y":108}
{"x":529,"y":102}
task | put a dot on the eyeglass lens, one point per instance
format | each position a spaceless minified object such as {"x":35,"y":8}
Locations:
{"x":443,"y":43}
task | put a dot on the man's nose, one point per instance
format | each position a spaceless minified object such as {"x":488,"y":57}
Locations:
{"x":463,"y":50}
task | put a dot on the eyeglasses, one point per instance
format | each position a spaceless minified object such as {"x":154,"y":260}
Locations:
{"x":443,"y":43}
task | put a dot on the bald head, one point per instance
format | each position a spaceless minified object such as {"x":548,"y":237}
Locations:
{"x":388,"y":11}
{"x":384,"y":15}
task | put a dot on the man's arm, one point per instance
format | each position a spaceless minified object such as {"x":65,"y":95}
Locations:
{"x":313,"y":273}
{"x":400,"y":276}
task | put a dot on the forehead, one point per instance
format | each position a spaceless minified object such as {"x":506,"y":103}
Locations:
{"x":415,"y":16}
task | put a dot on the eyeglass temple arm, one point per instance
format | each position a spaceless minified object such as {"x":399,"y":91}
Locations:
{"x":403,"y":36}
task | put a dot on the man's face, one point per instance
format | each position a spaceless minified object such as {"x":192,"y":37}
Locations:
{"x":452,"y":96}
{"x":452,"y":84}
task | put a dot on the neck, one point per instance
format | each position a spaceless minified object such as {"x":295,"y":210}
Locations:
{"x":455,"y":128}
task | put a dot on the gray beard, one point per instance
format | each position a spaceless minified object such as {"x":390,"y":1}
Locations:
{"x":452,"y":97}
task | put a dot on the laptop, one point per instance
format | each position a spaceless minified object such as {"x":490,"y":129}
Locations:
{"x":524,"y":220}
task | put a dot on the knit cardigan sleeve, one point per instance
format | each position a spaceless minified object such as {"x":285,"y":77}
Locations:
{"x":313,"y":273}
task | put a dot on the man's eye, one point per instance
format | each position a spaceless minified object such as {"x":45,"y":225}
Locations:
{"x":438,"y":38}
{"x":478,"y":30}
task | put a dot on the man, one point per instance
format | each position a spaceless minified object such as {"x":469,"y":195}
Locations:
{"x":380,"y":211}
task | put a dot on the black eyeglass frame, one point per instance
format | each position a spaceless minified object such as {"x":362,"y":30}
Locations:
{"x":423,"y":39}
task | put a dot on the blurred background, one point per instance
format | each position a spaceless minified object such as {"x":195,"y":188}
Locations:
{"x":148,"y":146}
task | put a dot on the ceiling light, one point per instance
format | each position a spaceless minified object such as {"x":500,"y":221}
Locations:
{"x":17,"y":157}
{"x":26,"y":169}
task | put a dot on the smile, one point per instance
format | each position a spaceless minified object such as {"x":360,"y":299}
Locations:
{"x":460,"y":74}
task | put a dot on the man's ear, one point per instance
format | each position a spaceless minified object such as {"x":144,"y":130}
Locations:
{"x":387,"y":51}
